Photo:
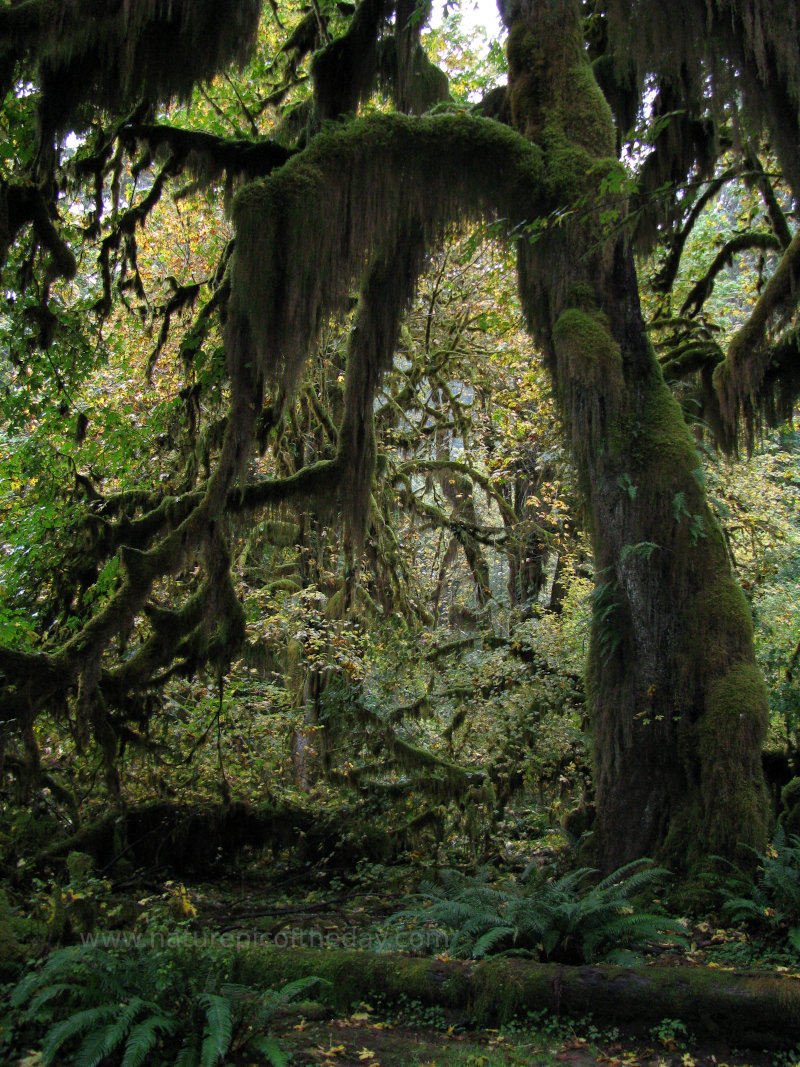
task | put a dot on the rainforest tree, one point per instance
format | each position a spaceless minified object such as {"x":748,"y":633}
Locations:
{"x":337,"y":203}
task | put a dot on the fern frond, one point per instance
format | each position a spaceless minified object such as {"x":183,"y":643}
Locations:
{"x":487,"y":941}
{"x":292,"y":990}
{"x":44,"y":996}
{"x":103,"y":1042}
{"x":189,"y":1055}
{"x":218,"y":1030}
{"x":269,"y":1047}
{"x":143,"y":1037}
{"x":79,"y":1023}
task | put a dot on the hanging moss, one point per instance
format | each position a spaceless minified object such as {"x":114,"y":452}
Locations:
{"x":114,"y":53}
{"x":739,"y":379}
{"x":23,"y":204}
{"x":304,"y":234}
{"x":206,"y":155}
{"x":344,"y":72}
{"x":744,"y":50}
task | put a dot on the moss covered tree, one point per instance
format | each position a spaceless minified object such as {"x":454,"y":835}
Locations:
{"x":337,"y":202}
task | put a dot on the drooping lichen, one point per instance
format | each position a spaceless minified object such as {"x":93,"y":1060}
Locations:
{"x":747,"y":48}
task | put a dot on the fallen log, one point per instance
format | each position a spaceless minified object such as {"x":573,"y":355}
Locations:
{"x":195,"y":839}
{"x":746,"y":1010}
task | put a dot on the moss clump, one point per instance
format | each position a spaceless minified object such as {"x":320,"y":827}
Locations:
{"x":284,"y":585}
{"x":585,"y":348}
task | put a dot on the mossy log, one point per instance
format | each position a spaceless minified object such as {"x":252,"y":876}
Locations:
{"x":750,"y":1010}
{"x":186,"y":839}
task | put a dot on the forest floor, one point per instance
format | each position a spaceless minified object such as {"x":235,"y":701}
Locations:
{"x":324,"y":909}
{"x":278,"y":903}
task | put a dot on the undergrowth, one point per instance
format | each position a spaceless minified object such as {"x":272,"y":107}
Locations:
{"x":146,"y":1006}
{"x":769,"y":904}
{"x":571,"y":919}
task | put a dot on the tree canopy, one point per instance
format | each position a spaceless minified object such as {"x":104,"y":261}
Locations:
{"x":313,"y":163}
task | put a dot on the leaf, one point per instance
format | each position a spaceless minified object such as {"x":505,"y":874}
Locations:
{"x":76,"y":1024}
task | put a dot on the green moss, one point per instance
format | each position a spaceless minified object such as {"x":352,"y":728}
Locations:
{"x":586,"y":116}
{"x":730,"y":737}
{"x":305,"y":235}
{"x":662,"y":444}
{"x":554,"y":97}
{"x":284,"y":585}
{"x":722,"y":609}
{"x":334,"y":609}
{"x":280,"y":534}
{"x":582,"y":295}
{"x":585,"y":348}
{"x":736,"y":710}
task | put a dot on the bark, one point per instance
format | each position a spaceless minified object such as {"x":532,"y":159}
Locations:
{"x":757,"y":1011}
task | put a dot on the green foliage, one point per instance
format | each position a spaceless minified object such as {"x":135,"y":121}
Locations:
{"x":570,"y":919}
{"x":771,"y":902}
{"x":146,"y":1005}
{"x":608,"y":635}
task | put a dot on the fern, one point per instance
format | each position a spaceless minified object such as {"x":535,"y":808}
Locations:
{"x":269,"y":1047}
{"x":567,"y":919}
{"x":219,"y":1028}
{"x":101,"y":1008}
{"x":143,"y":1038}
{"x":103,"y":1041}
{"x":77,"y":1023}
{"x":772,"y":902}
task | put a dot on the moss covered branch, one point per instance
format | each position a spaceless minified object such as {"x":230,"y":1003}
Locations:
{"x":208,"y":156}
{"x":743,"y":242}
{"x":739,"y":378}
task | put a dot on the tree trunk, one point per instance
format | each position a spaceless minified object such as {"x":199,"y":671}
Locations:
{"x":755,"y":1011}
{"x":678,"y":706}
